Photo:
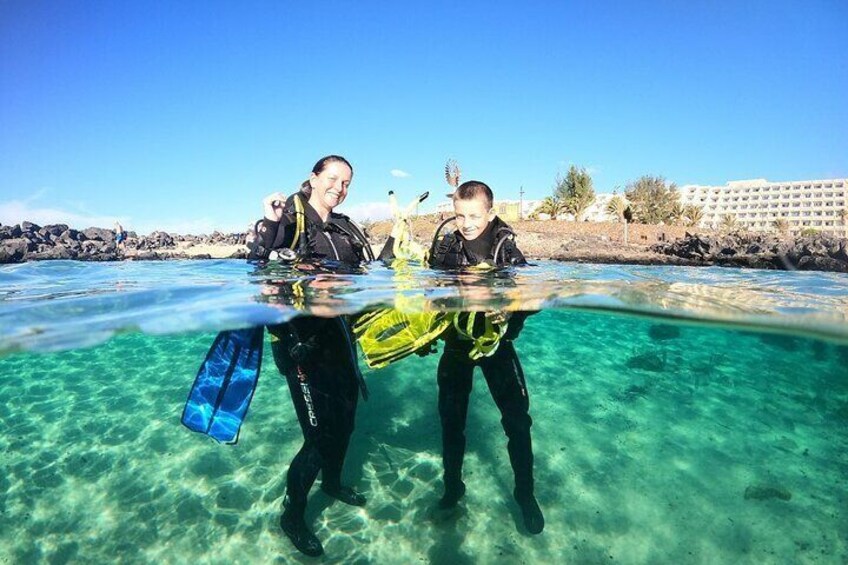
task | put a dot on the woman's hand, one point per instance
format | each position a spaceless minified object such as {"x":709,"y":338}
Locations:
{"x":272,"y":206}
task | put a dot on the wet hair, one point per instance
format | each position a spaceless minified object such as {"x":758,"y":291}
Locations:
{"x":324,"y":161}
{"x":321,"y":165}
{"x":472,"y":189}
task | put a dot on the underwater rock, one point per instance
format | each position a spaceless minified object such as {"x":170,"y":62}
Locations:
{"x":662,"y":332}
{"x":766,"y":492}
{"x":648,"y":361}
{"x":633,"y":392}
{"x":784,"y":342}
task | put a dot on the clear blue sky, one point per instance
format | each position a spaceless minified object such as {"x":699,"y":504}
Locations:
{"x":183,"y":115}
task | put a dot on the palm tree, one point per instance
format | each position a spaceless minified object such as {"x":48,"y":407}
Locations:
{"x":550,"y":206}
{"x":676,"y":212}
{"x":694,"y":215}
{"x":728,"y":222}
{"x":616,"y":207}
{"x":781,"y":225}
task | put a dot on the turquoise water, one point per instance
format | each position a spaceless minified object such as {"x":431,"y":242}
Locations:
{"x":708,"y":428}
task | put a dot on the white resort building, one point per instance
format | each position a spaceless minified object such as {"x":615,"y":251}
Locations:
{"x":756,"y":204}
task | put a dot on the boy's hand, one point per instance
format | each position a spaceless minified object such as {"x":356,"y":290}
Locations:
{"x":498,"y":316}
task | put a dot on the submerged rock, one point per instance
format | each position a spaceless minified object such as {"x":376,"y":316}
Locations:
{"x":662,"y":332}
{"x":766,"y":492}
{"x":648,"y":361}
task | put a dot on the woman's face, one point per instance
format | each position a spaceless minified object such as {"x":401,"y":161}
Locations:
{"x":329,"y":187}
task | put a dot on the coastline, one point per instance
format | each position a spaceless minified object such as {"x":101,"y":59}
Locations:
{"x":580,"y":242}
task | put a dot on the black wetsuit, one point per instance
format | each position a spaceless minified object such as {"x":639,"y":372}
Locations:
{"x":502,"y":370}
{"x":317,"y":355}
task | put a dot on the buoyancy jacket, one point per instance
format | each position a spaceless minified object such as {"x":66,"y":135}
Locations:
{"x":337,"y":239}
{"x":454,"y":251}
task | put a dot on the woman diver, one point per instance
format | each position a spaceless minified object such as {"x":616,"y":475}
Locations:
{"x":324,"y":384}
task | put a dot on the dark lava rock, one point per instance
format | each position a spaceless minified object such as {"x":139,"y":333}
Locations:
{"x":10,"y":232}
{"x":146,"y":256}
{"x":71,"y":235}
{"x":99,"y":234}
{"x":762,"y":251}
{"x":55,"y":252}
{"x":58,"y":241}
{"x":55,"y":229}
{"x":161,"y":239}
{"x":13,"y":250}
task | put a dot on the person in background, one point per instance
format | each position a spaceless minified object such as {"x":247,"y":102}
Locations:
{"x":120,"y":236}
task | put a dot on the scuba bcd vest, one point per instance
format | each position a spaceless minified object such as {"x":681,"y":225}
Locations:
{"x":307,"y":233}
{"x":450,"y":253}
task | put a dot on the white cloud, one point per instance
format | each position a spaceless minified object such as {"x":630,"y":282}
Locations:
{"x":368,"y":211}
{"x":16,"y":211}
{"x":399,"y":174}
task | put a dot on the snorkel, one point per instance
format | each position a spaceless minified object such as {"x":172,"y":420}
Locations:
{"x":405,"y":247}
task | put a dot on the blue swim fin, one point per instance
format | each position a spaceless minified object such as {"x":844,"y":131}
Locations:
{"x":223,"y":388}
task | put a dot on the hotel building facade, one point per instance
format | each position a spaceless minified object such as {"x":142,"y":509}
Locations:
{"x":756,"y":204}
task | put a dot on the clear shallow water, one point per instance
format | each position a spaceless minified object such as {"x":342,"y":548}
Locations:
{"x":57,"y":305}
{"x":647,"y":431}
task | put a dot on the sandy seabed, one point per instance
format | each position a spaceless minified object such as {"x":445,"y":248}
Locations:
{"x":646,"y":442}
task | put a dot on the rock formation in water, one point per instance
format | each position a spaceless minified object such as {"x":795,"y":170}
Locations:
{"x":761,"y":251}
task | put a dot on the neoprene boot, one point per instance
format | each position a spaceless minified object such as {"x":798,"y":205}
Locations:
{"x":534,"y":521}
{"x":294,"y":526}
{"x":344,"y":494}
{"x":454,"y":490}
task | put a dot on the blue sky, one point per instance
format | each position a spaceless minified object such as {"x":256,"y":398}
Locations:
{"x":183,"y":115}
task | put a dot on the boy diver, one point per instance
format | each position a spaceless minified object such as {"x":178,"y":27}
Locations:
{"x":482,"y":238}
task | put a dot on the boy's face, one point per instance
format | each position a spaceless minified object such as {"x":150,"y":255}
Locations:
{"x":472,"y":216}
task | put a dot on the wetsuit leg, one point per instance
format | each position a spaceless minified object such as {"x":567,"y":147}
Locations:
{"x":506,"y":383}
{"x":342,"y":414}
{"x":455,"y":381}
{"x":324,"y":393}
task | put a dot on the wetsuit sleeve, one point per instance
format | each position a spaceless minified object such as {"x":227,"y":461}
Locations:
{"x":514,"y":254}
{"x":439,"y":252}
{"x":271,"y":235}
{"x":516,"y":324}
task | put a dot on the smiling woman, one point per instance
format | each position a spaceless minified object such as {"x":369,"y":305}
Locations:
{"x":316,"y":355}
{"x":329,"y":182}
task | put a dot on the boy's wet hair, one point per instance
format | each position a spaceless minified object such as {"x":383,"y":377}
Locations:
{"x":472,"y":189}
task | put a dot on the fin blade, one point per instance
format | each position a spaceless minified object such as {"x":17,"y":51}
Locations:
{"x":218,"y":401}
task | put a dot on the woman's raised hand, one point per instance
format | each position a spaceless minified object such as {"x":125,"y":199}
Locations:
{"x":272,"y":206}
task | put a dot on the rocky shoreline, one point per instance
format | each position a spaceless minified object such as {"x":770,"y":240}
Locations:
{"x":31,"y":242}
{"x":761,"y":251}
